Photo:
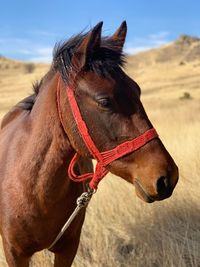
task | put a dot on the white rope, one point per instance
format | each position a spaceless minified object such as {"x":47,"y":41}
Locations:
{"x":82,"y":202}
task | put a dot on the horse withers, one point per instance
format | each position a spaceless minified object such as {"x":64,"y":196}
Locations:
{"x":40,"y":136}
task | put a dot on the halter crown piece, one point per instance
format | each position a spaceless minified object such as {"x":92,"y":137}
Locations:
{"x":103,"y":158}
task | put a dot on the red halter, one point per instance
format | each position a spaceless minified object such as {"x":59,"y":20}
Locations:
{"x":103,"y":158}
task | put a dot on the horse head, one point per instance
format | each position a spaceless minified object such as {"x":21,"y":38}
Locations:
{"x":109,"y":103}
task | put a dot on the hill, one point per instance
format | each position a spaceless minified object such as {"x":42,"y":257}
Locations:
{"x":15,"y":80}
{"x":185,"y":49}
{"x":171,"y":72}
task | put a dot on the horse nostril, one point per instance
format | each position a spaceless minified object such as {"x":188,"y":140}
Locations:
{"x":162,"y":185}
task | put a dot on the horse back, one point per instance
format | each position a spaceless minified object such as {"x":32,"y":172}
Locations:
{"x":24,"y":105}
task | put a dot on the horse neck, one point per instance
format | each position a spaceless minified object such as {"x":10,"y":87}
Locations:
{"x":50,"y":148}
{"x":45,"y":118}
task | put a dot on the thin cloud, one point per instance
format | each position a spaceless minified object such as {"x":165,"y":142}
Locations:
{"x":136,"y":49}
{"x":43,"y":55}
{"x":44,"y":33}
{"x":39,"y":54}
{"x":159,"y":35}
{"x":28,"y":50}
{"x":42,"y":59}
{"x":151,"y":41}
{"x":25,"y":49}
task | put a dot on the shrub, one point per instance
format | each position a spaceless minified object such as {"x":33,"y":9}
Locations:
{"x":186,"y":96}
{"x":29,"y":67}
{"x":181,"y":63}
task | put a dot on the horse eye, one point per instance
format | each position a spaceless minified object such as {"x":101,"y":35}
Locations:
{"x":105,"y":102}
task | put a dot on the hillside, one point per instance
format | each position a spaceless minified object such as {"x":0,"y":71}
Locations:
{"x":169,"y":71}
{"x":137,"y":234}
{"x":185,"y":49}
{"x":16,"y":79}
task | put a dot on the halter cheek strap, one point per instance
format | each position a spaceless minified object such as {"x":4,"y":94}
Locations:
{"x":103,"y":158}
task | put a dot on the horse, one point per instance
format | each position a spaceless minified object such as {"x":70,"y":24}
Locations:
{"x":41,"y":136}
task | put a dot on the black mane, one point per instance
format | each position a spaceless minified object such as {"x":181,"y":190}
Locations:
{"x":105,"y":60}
{"x":28,"y":102}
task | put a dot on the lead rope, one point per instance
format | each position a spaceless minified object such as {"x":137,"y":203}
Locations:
{"x":81,"y":202}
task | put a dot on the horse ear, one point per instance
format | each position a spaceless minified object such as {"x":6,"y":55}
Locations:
{"x":118,"y":38}
{"x":90,"y":42}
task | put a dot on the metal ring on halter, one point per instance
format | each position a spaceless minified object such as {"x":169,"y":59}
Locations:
{"x":90,"y":190}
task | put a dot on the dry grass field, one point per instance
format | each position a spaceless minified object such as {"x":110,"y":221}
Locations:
{"x":120,"y":230}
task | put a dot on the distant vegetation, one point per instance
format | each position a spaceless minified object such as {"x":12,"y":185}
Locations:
{"x":29,"y":67}
{"x":186,"y":96}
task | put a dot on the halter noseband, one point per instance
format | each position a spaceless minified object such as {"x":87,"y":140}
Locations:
{"x":103,"y":158}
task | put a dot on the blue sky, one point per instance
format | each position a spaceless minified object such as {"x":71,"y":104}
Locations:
{"x":29,"y":29}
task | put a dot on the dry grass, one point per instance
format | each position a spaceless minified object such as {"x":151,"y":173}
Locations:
{"x":120,"y":230}
{"x":128,"y":232}
{"x":15,"y":82}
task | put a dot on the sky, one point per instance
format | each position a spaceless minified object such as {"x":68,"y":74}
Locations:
{"x":29,"y":29}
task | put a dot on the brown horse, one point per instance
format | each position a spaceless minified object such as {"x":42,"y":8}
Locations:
{"x":36,"y":194}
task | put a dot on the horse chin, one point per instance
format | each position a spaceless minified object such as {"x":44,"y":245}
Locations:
{"x":142,"y":194}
